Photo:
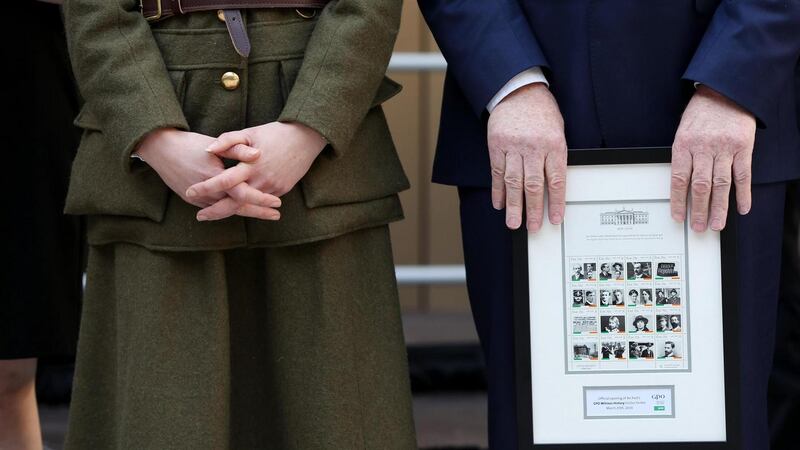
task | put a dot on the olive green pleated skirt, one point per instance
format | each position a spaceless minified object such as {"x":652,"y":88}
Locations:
{"x":296,"y":347}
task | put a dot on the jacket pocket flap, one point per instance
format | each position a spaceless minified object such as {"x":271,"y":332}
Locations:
{"x":86,"y":119}
{"x":387,"y":89}
{"x":98,"y":185}
{"x":370,"y":169}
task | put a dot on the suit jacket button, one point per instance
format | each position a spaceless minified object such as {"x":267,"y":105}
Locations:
{"x":230,"y":81}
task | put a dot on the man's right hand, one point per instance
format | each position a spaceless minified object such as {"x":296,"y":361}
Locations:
{"x":528,"y":151}
{"x":180,"y":159}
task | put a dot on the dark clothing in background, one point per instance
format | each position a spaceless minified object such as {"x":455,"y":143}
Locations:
{"x":40,"y":286}
{"x":784,"y":387}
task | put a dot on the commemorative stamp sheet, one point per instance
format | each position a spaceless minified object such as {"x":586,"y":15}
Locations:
{"x":625,"y":290}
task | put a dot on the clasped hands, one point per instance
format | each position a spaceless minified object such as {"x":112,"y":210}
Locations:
{"x":712,"y":151}
{"x":272,"y":159}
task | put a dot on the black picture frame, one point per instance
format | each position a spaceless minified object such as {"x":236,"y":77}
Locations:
{"x":583,"y":157}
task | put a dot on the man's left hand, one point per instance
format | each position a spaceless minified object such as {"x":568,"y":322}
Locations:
{"x":713,"y":148}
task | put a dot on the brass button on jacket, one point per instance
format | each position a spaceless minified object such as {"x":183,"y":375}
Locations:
{"x":230,"y":81}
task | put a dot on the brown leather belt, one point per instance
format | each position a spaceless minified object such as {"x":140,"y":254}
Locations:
{"x":161,"y":9}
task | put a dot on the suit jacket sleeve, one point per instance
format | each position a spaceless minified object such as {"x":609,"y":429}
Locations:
{"x":120,"y":72}
{"x":749,"y":53}
{"x":344,"y":64}
{"x":486,"y":43}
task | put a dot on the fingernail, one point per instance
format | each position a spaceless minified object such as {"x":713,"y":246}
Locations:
{"x":497,"y":205}
{"x":699,"y":226}
{"x":744,"y":211}
{"x":191,"y":192}
{"x":716,"y":224}
{"x":202,"y":217}
{"x":210,"y":148}
{"x":513,"y":222}
{"x":534,"y":226}
{"x":678,"y":217}
{"x":556,"y":219}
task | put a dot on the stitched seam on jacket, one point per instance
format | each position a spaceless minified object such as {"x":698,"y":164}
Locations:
{"x":264,"y":24}
{"x":316,"y":75}
{"x":228,"y":64}
{"x":132,"y":54}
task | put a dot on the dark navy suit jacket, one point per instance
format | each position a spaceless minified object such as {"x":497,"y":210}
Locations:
{"x":621,"y":70}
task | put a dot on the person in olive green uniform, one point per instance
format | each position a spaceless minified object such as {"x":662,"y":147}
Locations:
{"x":265,"y":329}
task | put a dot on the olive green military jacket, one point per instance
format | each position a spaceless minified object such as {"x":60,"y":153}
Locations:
{"x":326,"y":72}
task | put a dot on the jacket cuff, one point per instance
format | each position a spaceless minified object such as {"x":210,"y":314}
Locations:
{"x":730,"y":61}
{"x":338,"y":133}
{"x":128,"y":138}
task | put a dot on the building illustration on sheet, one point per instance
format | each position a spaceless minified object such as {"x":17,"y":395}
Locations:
{"x":625,"y":217}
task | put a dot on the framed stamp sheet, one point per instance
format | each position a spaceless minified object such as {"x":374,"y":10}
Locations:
{"x":625,"y":319}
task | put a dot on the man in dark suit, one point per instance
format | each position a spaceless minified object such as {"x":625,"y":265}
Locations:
{"x":714,"y":79}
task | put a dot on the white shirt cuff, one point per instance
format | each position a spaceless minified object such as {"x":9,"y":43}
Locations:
{"x":530,"y":76}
